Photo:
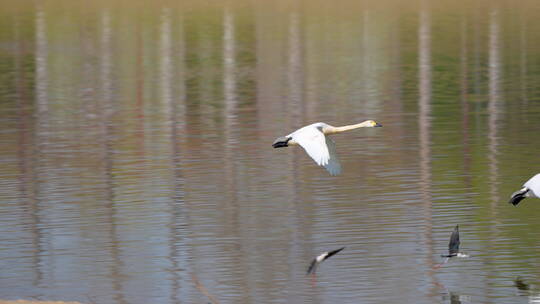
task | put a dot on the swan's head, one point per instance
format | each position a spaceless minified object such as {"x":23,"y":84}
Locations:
{"x":281,"y":142}
{"x":373,"y":124}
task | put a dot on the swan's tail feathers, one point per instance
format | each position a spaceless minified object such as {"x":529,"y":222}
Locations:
{"x":333,"y":166}
{"x":518,"y":196}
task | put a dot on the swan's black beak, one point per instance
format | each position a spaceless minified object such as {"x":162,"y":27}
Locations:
{"x":518,"y":196}
{"x":377,"y":125}
{"x":281,"y":142}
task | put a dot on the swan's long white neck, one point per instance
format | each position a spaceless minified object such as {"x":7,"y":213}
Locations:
{"x":332,"y":130}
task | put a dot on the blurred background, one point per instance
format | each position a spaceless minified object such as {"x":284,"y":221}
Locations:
{"x":135,"y":143}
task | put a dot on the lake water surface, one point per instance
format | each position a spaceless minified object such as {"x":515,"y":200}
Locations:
{"x":137,"y":167}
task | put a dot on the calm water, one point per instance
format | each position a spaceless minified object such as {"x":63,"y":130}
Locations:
{"x":137,"y":164}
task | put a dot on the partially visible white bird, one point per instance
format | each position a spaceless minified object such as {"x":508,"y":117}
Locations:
{"x":319,"y":259}
{"x":320,"y":147}
{"x":530,"y":189}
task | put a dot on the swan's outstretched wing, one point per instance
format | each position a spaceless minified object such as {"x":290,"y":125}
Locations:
{"x":313,"y":141}
{"x":333,"y":166}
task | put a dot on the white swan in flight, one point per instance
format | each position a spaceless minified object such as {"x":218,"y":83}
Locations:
{"x":530,"y":189}
{"x":320,"y":147}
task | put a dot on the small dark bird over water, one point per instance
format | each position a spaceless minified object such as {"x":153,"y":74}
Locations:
{"x":530,"y":189}
{"x":453,"y":245}
{"x":453,"y":248}
{"x":319,"y":259}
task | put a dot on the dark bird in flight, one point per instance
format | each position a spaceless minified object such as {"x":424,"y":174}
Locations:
{"x":319,"y":259}
{"x":453,"y":245}
{"x":453,"y":248}
{"x":530,"y":189}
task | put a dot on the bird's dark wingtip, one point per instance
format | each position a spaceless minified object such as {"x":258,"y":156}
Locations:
{"x":517,"y":197}
{"x":311,"y":267}
{"x":335,"y":251}
{"x":515,"y":200}
{"x":281,"y":142}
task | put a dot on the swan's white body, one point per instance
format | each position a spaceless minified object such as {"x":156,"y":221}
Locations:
{"x":319,"y":146}
{"x":531,"y":188}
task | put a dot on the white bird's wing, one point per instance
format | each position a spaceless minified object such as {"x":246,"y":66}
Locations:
{"x":533,"y":184}
{"x":333,"y":166}
{"x":314,"y":142}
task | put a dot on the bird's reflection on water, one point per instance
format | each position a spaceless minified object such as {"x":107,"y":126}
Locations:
{"x":521,"y":285}
{"x":524,"y":289}
{"x":455,"y":298}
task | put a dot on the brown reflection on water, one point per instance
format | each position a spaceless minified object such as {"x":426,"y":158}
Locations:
{"x":494,"y":120}
{"x":36,"y":146}
{"x":465,"y":101}
{"x":494,"y":99}
{"x":178,"y":220}
{"x":26,"y":158}
{"x":424,"y":124}
{"x":104,"y":113}
{"x":493,"y":108}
